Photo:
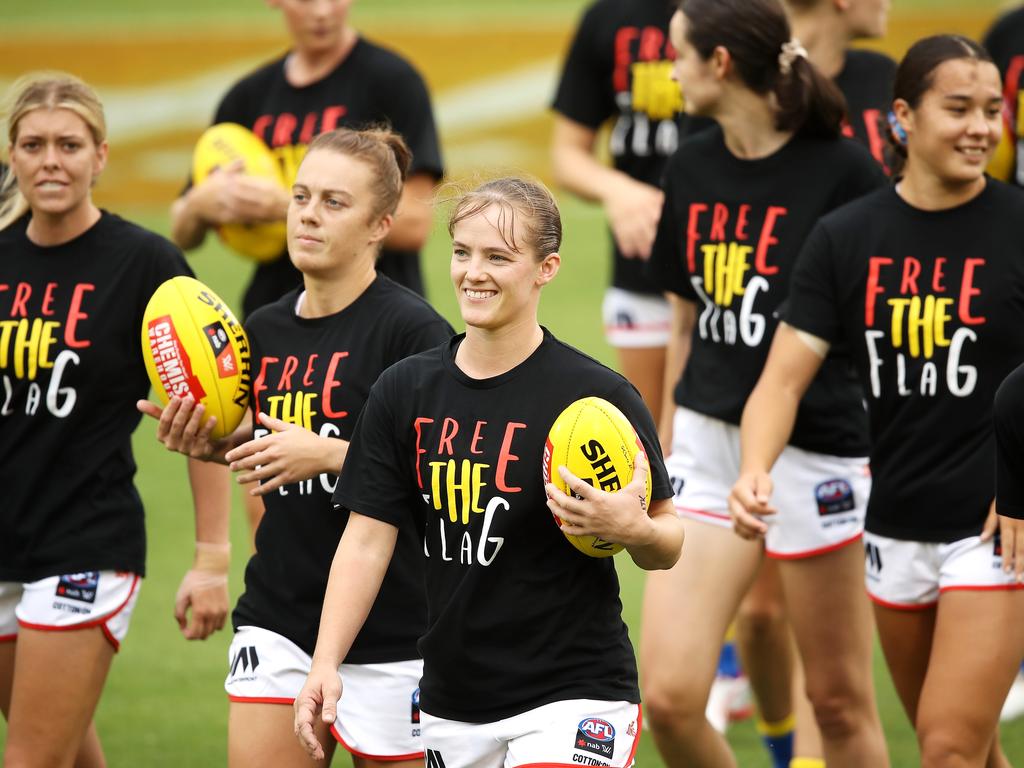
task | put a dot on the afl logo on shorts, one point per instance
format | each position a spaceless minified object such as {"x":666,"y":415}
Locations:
{"x":597,"y":736}
{"x":415,"y":706}
{"x":79,"y":586}
{"x":834,"y":496}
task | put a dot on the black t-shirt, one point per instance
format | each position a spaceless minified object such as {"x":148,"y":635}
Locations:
{"x":71,"y":367}
{"x":619,"y":65}
{"x":1005,"y":42}
{"x":1008,"y":418}
{"x":866,"y":82}
{"x":317,"y":373}
{"x":931,"y":305}
{"x":727,"y":241}
{"x":372,"y":85}
{"x":517,"y":617}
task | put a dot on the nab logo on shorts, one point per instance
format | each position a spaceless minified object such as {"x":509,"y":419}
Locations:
{"x":834,"y":496}
{"x":597,"y":736}
{"x":434,"y":759}
{"x":415,"y":706}
{"x":247,"y":660}
{"x":79,"y":586}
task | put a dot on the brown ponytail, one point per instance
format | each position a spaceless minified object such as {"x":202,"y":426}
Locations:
{"x":754,"y":32}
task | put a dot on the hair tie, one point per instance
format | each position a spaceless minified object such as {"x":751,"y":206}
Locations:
{"x":790,"y":51}
{"x":897,"y":130}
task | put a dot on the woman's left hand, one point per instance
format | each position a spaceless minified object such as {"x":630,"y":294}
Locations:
{"x":619,"y":517}
{"x":289,"y":454}
{"x":1011,"y":540}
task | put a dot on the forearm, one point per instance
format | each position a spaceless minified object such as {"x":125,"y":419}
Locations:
{"x":766,"y":425}
{"x":357,"y":572}
{"x":662,"y":551}
{"x":415,"y":215}
{"x":211,"y":496}
{"x":188,"y":229}
{"x":577,"y":170}
{"x":677,"y":354}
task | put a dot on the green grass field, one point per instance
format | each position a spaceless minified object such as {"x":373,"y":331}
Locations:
{"x":164,"y":704}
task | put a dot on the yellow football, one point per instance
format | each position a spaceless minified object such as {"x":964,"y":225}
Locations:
{"x":219,"y":146}
{"x":595,"y":441}
{"x":193,"y":345}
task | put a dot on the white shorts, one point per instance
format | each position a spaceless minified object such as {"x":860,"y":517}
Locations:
{"x":636,"y":320}
{"x":378,"y":714}
{"x":103,"y":599}
{"x":910,"y":575}
{"x":821,"y":499}
{"x":565,"y":733}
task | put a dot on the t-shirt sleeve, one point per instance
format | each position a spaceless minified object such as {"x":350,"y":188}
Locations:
{"x":667,"y":265}
{"x":1008,"y":415}
{"x":628,"y":400}
{"x":584,"y":93}
{"x":813,"y":301}
{"x":863,"y":176}
{"x":421,"y":334}
{"x":412,"y":115}
{"x":372,"y":480}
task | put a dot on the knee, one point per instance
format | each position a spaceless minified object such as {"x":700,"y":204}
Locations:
{"x":759,"y":621}
{"x":673,"y":707}
{"x":838,"y":714}
{"x":943,"y":746}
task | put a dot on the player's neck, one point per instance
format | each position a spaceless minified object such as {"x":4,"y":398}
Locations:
{"x":330,"y":294}
{"x":825,"y":37}
{"x":304,"y":67}
{"x":486,"y":353}
{"x":930,"y":192}
{"x":748,"y":125}
{"x":49,"y":229}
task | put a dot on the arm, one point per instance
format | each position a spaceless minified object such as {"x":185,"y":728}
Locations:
{"x":684,"y":317}
{"x":632,"y":207}
{"x":415,"y":214}
{"x":290,"y":453}
{"x":204,"y":587}
{"x":767,"y":422}
{"x":360,"y":563}
{"x":653,"y":538}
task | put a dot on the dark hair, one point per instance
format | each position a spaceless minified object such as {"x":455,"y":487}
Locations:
{"x":754,"y":31}
{"x":381,"y":149}
{"x":916,"y":75}
{"x":514,"y":196}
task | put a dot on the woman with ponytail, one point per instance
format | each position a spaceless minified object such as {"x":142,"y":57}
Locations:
{"x":923,"y":285}
{"x":323,"y":345}
{"x":74,"y":283}
{"x":740,"y":199}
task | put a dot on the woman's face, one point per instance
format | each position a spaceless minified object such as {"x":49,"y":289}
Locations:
{"x":955,"y":128}
{"x":55,"y":160}
{"x":697,"y":81}
{"x":496,"y":286}
{"x":332,"y":218}
{"x":314,"y":25}
{"x":867,"y":18}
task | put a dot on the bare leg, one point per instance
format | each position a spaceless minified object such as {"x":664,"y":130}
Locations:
{"x":836,"y":653}
{"x":57,"y":682}
{"x":686,"y":612}
{"x":762,"y":636}
{"x":263,"y":736}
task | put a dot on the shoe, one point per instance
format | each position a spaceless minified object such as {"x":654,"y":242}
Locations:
{"x":1013,"y":707}
{"x":728,"y":701}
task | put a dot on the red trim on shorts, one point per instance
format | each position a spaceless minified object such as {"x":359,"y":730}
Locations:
{"x":901,"y":606}
{"x":632,"y":754}
{"x":982,"y":588}
{"x":381,"y":758}
{"x":100,"y":622}
{"x":8,"y":638}
{"x":812,"y":552}
{"x":704,"y":513}
{"x":260,"y":700}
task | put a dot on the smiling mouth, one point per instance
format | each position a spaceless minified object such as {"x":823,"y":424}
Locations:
{"x":479,"y":295}
{"x":51,"y":185}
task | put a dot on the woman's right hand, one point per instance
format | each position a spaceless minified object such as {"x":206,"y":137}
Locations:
{"x":320,"y":694}
{"x":181,"y":427}
{"x":229,"y":196}
{"x":748,"y":504}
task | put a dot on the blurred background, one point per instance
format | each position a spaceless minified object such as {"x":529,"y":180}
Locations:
{"x":491,"y":65}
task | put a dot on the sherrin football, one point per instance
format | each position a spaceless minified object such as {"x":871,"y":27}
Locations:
{"x":193,"y":345}
{"x":219,"y":146}
{"x":595,"y":441}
